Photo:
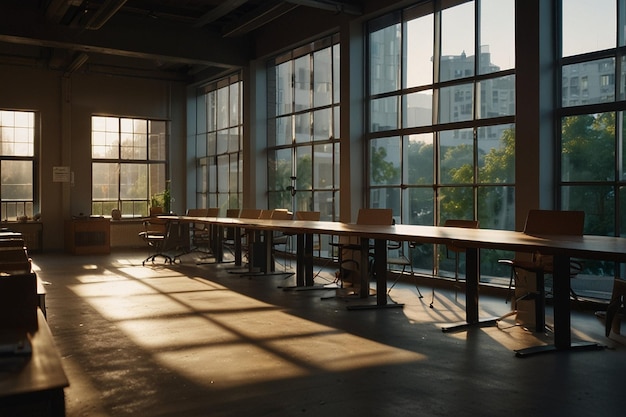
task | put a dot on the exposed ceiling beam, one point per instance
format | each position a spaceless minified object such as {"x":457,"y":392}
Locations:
{"x":258,"y":18}
{"x":219,"y":11}
{"x":104,"y":13}
{"x":330,"y":5}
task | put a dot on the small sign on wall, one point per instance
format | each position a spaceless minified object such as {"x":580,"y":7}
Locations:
{"x":61,"y":174}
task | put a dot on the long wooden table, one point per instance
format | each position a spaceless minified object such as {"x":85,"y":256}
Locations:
{"x":562,"y":248}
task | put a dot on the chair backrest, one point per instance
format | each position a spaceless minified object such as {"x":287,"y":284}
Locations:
{"x":265,"y":214}
{"x":308,"y":215}
{"x":233,"y":213}
{"x":468,"y":224}
{"x":250,"y":213}
{"x":197,"y":212}
{"x":555,"y":222}
{"x":155,"y":211}
{"x":281,"y":214}
{"x":379,"y":217}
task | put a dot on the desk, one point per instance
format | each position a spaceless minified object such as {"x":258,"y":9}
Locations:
{"x":34,"y":387}
{"x":561,"y":247}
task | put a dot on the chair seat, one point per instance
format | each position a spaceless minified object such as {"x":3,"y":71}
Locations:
{"x":400,"y":260}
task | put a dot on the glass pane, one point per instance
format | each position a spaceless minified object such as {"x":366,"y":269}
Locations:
{"x":384,"y":166}
{"x":456,"y":203}
{"x":385,"y":60}
{"x":622,"y":167}
{"x":133,"y":139}
{"x":588,"y":147}
{"x":201,"y":145}
{"x":622,"y":213}
{"x":234,"y":104}
{"x":304,"y":200}
{"x":496,"y":154}
{"x":104,"y":180}
{"x":222,"y":142}
{"x":496,"y":97}
{"x":105,"y":137}
{"x":133,"y":181}
{"x":598,"y":203}
{"x":421,"y":207}
{"x":302,"y":83}
{"x":233,"y":139}
{"x":456,"y":150}
{"x":222,"y":177}
{"x":336,"y":78}
{"x":419,"y":51}
{"x":622,"y":84}
{"x":157,"y":140}
{"x":303,"y":127}
{"x":322,"y":78}
{"x":387,"y":198}
{"x":384,"y":114}
{"x":211,"y":110}
{"x":17,"y":133}
{"x":223,"y":112}
{"x":588,"y":25}
{"x":212,"y":144}
{"x":323,"y":166}
{"x":323,"y":202}
{"x":322,"y":120}
{"x":284,"y":131}
{"x":279,"y":169}
{"x":202,"y":176}
{"x":284,"y":92}
{"x":456,"y":103}
{"x":457,"y":42}
{"x":497,"y":35}
{"x":589,"y":82}
{"x":496,"y":207}
{"x":418,"y":109}
{"x":304,"y":168}
{"x":419,"y":162}
{"x":158,"y":184}
{"x":233,"y":173}
{"x":17,"y":180}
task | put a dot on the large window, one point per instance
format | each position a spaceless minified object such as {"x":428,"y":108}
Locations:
{"x":17,"y":156}
{"x":441,"y":112}
{"x":129,"y":165}
{"x":219,"y":144}
{"x":303,"y":130}
{"x":592,"y":136}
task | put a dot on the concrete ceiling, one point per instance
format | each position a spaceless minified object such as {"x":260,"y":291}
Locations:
{"x":172,"y":39}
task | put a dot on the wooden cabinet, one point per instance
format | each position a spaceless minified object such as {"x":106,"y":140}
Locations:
{"x":88,"y":236}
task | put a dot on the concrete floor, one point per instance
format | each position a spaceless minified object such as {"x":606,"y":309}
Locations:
{"x":191,"y":340}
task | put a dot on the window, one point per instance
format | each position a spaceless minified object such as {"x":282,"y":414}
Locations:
{"x":129,"y":164}
{"x":303,"y":133}
{"x":592,"y":135}
{"x":441,"y":116}
{"x":17,"y":164}
{"x":303,"y":140}
{"x":219,"y":142}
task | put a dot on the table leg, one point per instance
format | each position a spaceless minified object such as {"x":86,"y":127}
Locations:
{"x":380,"y":270}
{"x":472,"y":277}
{"x":562,"y":315}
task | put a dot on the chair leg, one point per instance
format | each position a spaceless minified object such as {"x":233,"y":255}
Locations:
{"x":611,"y":313}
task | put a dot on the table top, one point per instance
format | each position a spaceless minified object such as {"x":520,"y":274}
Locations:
{"x":587,"y":246}
{"x":40,"y":371}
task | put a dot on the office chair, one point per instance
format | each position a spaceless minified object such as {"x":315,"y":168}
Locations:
{"x":347,"y":246}
{"x":281,"y":238}
{"x":402,"y":260}
{"x":201,"y":236}
{"x":614,"y":311}
{"x":542,"y":222}
{"x":155,"y":236}
{"x":455,"y":251}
